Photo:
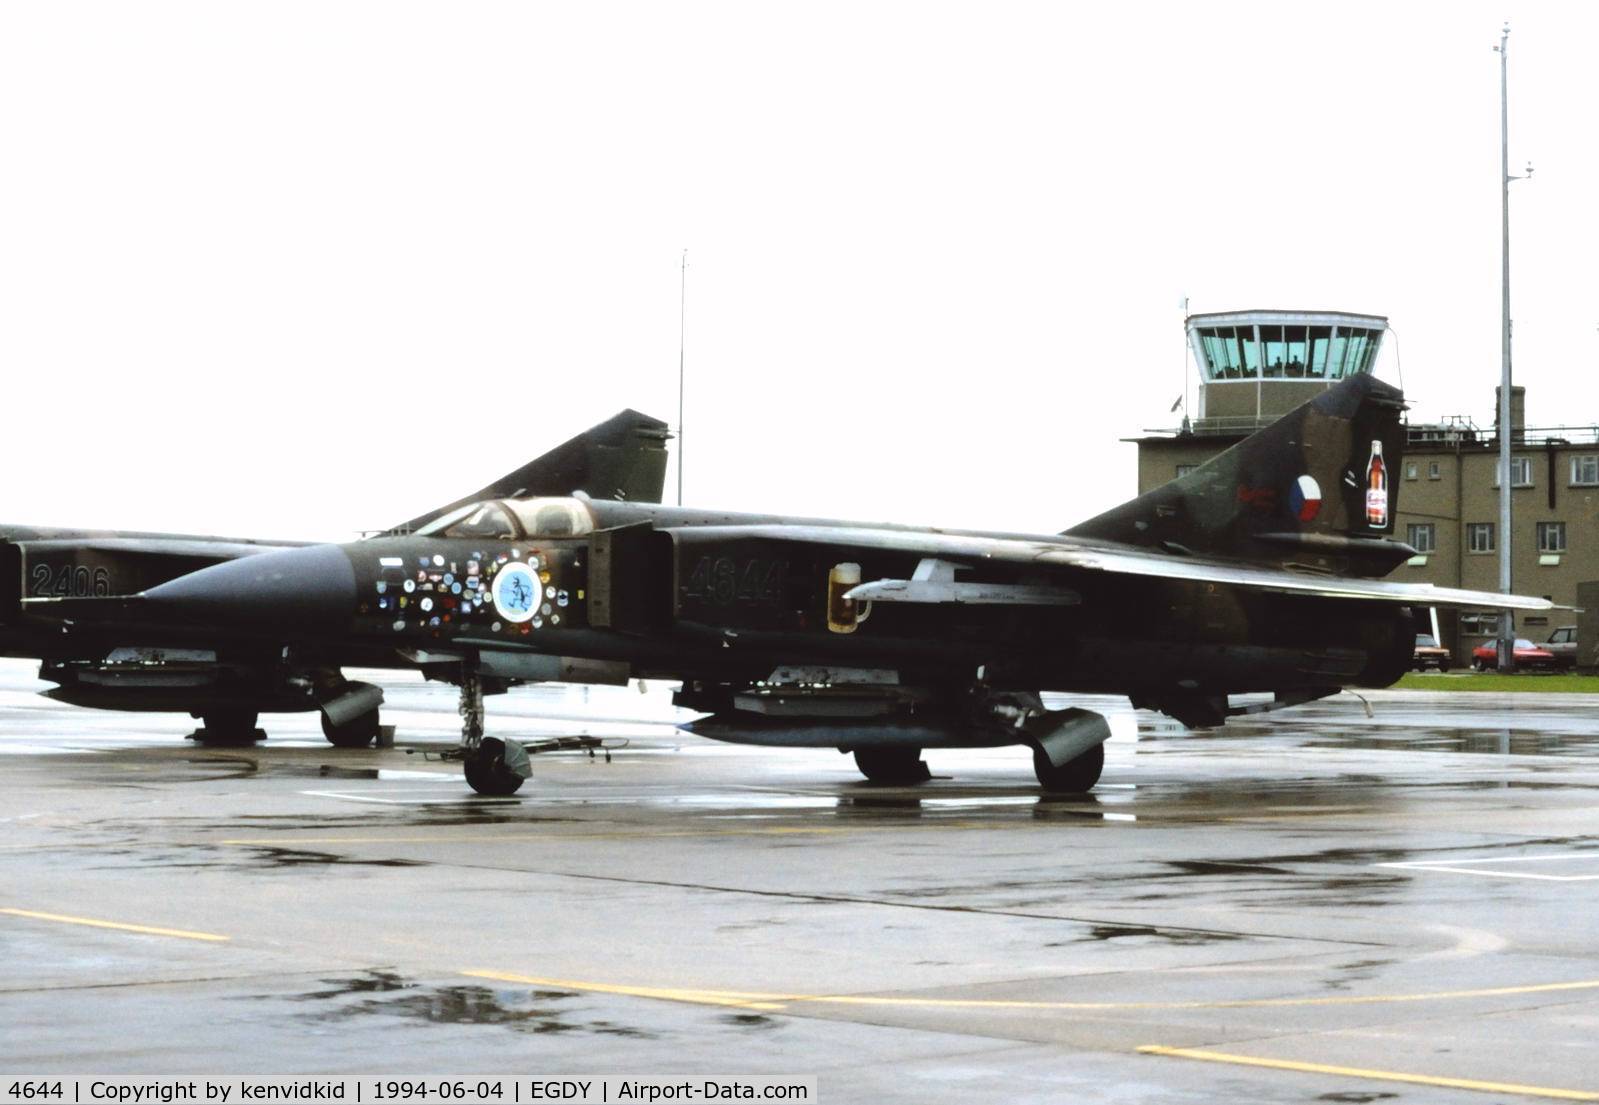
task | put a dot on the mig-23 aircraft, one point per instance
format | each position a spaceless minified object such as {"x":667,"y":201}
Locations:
{"x":210,"y":675}
{"x":1260,"y":571}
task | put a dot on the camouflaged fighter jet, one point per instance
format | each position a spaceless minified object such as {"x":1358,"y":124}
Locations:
{"x":213,"y":675}
{"x":1258,"y":572}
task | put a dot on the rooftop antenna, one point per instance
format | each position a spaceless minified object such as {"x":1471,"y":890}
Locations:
{"x":682,"y":302}
{"x":1186,"y":425}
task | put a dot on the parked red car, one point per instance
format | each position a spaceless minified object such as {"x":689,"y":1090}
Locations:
{"x":1529,"y":657}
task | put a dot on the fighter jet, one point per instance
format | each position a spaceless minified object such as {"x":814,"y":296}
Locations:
{"x":209,"y":674}
{"x":1260,"y":571}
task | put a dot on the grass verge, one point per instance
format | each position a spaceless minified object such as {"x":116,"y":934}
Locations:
{"x":1529,"y":683}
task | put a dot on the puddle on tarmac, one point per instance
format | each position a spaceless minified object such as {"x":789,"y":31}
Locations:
{"x":1225,"y":867}
{"x":1103,"y":933}
{"x":249,"y":858}
{"x":387,"y":994}
{"x":321,"y":771}
{"x":751,"y":1020}
{"x":208,"y":769}
{"x":277,"y":858}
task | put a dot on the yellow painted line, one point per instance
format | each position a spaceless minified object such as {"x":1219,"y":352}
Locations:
{"x":699,"y":997}
{"x":766,"y":1000}
{"x":1374,"y":1075}
{"x":147,"y":930}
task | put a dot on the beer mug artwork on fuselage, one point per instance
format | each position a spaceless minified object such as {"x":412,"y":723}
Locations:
{"x":1376,"y":489}
{"x":844,"y":615}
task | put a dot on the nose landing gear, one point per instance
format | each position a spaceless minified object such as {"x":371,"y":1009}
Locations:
{"x":494,"y":768}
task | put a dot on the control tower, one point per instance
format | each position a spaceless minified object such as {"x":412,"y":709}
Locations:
{"x":1257,"y":365}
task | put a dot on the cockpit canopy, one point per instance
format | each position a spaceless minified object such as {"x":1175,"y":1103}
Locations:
{"x":510,"y":519}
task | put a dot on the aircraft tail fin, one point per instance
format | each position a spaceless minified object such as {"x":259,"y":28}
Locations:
{"x":623,"y":457}
{"x":1317,"y":489}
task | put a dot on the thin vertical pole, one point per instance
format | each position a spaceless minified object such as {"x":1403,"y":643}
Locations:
{"x":682,"y":304}
{"x":1507,"y":635}
{"x":1186,"y":353}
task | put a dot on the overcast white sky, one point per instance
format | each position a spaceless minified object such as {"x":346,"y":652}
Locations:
{"x":299,"y":269}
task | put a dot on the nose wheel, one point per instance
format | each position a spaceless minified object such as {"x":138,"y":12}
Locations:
{"x":490,"y":770}
{"x":495,"y":768}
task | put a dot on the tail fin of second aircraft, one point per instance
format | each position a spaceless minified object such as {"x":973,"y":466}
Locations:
{"x":623,"y":457}
{"x":1318,"y":489}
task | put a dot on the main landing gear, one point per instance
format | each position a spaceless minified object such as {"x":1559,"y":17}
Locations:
{"x":892,"y":767}
{"x":1075,"y":776}
{"x":358,"y":733}
{"x":350,"y":714}
{"x":228,"y":729}
{"x":495,"y":768}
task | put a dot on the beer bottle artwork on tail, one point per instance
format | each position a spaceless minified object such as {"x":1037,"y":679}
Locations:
{"x":1376,"y":489}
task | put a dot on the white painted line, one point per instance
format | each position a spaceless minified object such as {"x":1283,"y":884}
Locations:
{"x":1478,"y":866}
{"x":463,"y":797}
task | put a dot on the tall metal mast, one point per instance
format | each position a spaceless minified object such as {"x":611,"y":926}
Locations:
{"x":682,"y":302}
{"x":1507,"y":633}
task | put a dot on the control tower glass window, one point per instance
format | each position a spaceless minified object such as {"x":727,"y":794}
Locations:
{"x":1371,"y":350}
{"x":1210,"y":346}
{"x":1294,"y":339}
{"x":1287,"y":352}
{"x":1251,"y":351}
{"x":1320,"y":338}
{"x":1276,"y":351}
{"x":1335,"y":355}
{"x":1349,"y":352}
{"x":1355,"y":352}
{"x":1222,"y":358}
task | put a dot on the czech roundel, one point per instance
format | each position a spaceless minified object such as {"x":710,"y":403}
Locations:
{"x":1305,"y":499}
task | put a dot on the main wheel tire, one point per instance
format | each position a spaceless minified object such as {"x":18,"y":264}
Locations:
{"x":1072,"y":777}
{"x":892,"y":767}
{"x":1479,"y":665}
{"x":229,"y":729}
{"x":486,"y":772}
{"x":358,"y":733}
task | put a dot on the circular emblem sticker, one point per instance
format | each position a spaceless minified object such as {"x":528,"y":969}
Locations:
{"x":517,"y":592}
{"x":1304,"y":499}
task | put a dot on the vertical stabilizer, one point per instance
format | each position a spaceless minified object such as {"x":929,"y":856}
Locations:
{"x":623,"y":457}
{"x":1316,"y":489}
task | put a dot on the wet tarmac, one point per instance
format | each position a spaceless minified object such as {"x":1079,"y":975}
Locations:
{"x":1396,"y":908}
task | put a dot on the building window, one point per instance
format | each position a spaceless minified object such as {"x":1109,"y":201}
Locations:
{"x":1520,"y":472}
{"x":1422,"y":537}
{"x":1412,"y":470}
{"x":1551,"y":537}
{"x":1479,"y":625}
{"x":1184,"y":469}
{"x":1480,"y":537}
{"x":1433,"y":472}
{"x":1585,"y":471}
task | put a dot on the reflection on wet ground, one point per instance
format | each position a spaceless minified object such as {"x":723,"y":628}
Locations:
{"x":387,"y":994}
{"x":1503,"y":742}
{"x":1313,"y":885}
{"x":1175,"y":936}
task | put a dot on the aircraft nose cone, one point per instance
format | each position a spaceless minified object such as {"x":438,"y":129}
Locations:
{"x":313,"y":587}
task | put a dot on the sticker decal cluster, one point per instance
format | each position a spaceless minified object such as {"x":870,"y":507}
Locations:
{"x":506,"y":592}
